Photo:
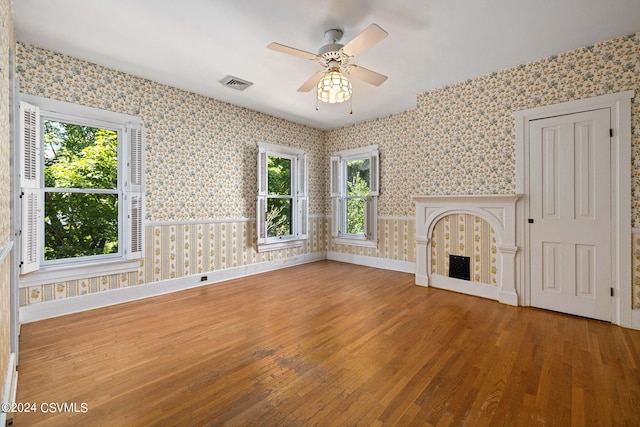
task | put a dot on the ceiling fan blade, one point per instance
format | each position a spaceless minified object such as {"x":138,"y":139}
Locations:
{"x":363,"y":41}
{"x":291,"y":51}
{"x":311,"y":83}
{"x":366,"y":75}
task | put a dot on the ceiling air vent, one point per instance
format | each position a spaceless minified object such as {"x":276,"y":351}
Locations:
{"x":235,"y":83}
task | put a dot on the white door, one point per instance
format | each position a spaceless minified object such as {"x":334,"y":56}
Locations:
{"x":570,"y":206}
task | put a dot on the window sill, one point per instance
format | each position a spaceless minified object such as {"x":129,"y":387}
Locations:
{"x":286,"y":244}
{"x":55,"y":274}
{"x":355,"y":241}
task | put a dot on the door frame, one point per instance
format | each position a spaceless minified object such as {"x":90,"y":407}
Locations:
{"x":620,"y":108}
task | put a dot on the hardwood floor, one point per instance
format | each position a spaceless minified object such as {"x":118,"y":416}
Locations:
{"x":328,"y":344}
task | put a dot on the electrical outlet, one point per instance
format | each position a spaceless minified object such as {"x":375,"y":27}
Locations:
{"x":203,"y":278}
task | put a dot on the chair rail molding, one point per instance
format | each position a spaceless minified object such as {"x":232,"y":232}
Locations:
{"x":499,"y":210}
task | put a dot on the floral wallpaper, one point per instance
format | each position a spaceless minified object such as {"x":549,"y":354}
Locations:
{"x":459,"y":140}
{"x":7,"y":40}
{"x":200,"y":167}
{"x":401,"y":155}
{"x":200,"y":152}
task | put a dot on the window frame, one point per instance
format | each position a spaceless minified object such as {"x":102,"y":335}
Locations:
{"x":130,"y":191}
{"x":121,"y":131}
{"x":338,"y":194}
{"x":345,"y":190}
{"x":298,"y":197}
{"x":291,"y":197}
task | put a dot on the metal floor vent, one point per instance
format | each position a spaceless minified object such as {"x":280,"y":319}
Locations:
{"x":460,"y":267}
{"x":235,"y":83}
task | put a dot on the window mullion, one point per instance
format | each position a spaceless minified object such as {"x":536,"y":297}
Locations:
{"x":81,"y":190}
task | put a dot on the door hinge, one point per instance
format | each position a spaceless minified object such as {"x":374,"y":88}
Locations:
{"x":611,"y":291}
{"x":611,"y":133}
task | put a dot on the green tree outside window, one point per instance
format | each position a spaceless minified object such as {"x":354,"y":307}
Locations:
{"x":280,"y":197}
{"x":80,"y":196}
{"x":357,"y":192}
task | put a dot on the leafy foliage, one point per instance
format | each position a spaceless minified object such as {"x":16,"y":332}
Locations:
{"x":278,"y":217}
{"x":85,"y":222}
{"x":357,"y":191}
{"x":279,"y":208}
{"x":279,"y":176}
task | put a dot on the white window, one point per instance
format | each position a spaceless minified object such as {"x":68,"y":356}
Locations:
{"x":282,"y":205}
{"x":81,"y":178}
{"x":354,"y":196}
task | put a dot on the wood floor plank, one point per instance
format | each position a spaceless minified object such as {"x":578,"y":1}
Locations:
{"x":328,"y":344}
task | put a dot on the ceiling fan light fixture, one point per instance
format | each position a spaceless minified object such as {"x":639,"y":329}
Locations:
{"x":333,"y":87}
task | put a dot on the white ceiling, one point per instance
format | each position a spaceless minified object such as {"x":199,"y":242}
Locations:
{"x":192,"y":44}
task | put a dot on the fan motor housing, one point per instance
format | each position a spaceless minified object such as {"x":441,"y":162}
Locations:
{"x":327,"y":51}
{"x":331,"y":52}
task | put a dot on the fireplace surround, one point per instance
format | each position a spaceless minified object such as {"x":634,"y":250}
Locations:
{"x":500,"y":212}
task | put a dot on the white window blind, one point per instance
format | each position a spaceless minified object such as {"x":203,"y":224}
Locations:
{"x":134,"y":194}
{"x":261,"y":205}
{"x":31,"y":200}
{"x":302,"y":199}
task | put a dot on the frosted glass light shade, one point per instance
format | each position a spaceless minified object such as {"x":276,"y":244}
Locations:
{"x":333,"y":87}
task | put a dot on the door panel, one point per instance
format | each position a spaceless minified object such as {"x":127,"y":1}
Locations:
{"x":550,"y":172}
{"x":585,"y":151}
{"x":571,"y":207}
{"x":585,"y":271}
{"x":551,"y":267}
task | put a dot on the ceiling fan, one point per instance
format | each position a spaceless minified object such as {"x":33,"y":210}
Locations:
{"x":331,"y":84}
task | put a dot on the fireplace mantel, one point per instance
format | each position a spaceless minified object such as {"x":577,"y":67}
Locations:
{"x":498,"y":210}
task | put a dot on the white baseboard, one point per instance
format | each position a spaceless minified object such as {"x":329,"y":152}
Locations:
{"x":465,"y":286}
{"x":48,"y":309}
{"x":370,"y":261}
{"x":422,"y":280}
{"x":10,"y":388}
